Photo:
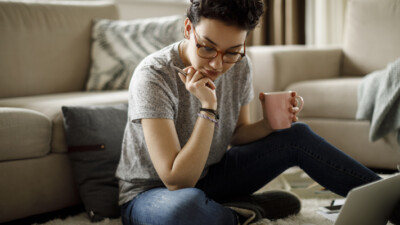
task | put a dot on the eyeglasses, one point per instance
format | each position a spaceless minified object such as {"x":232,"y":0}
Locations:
{"x":206,"y":52}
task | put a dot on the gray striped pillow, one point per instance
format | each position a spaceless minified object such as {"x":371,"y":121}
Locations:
{"x":119,"y":45}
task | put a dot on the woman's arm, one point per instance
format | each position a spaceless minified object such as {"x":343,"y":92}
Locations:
{"x":246,"y":132}
{"x":178,"y":167}
{"x":182,"y":167}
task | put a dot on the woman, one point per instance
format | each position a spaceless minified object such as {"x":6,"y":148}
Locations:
{"x":175,"y":167}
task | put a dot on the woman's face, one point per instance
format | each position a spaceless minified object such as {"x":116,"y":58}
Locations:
{"x":213,"y":34}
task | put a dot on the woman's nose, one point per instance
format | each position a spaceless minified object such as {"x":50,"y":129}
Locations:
{"x":216,"y":63}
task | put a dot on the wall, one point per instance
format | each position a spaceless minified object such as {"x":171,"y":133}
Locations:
{"x":132,"y":9}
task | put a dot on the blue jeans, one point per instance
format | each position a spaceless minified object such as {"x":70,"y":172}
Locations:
{"x":243,"y":170}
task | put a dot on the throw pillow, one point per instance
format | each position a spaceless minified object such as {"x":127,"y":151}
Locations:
{"x":94,"y":137}
{"x":118,"y":46}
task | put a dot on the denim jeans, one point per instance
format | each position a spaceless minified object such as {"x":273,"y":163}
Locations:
{"x":243,"y":170}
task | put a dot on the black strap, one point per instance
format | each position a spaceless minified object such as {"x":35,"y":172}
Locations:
{"x":85,"y":148}
{"x":214,"y":112}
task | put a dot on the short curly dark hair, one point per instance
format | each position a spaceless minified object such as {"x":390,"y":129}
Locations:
{"x":244,"y":14}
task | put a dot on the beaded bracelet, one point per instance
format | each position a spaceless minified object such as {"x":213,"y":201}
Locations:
{"x":208,"y":118}
{"x":214,"y":112}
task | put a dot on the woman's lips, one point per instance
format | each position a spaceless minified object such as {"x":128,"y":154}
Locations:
{"x":211,"y":73}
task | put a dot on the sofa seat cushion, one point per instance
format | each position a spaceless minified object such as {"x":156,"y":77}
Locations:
{"x":50,"y":105}
{"x":36,"y":186}
{"x":24,"y":134}
{"x":328,"y":98}
{"x":351,"y":137}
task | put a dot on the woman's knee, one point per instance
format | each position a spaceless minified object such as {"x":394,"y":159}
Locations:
{"x":187,"y":198}
{"x":174,"y":207}
{"x":183,"y":201}
{"x":301,"y":127}
{"x":195,"y":207}
{"x":161,"y":206}
{"x":301,"y":131}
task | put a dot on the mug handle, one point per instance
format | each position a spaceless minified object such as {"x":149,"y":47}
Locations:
{"x":300,"y":100}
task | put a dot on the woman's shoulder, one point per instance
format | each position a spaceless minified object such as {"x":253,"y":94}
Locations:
{"x":241,"y":69}
{"x":245,"y":63}
{"x":155,"y":68}
{"x":167,"y":53}
{"x":160,"y":59}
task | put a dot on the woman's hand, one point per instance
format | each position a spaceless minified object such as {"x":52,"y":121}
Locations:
{"x":295,"y":109}
{"x":201,"y":87}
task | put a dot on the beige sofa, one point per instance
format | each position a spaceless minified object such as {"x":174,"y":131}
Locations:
{"x":45,"y":61}
{"x":328,"y":79}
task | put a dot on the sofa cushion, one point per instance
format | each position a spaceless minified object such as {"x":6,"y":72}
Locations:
{"x":351,"y":137}
{"x":94,"y":136}
{"x":50,"y":105}
{"x":24,"y":134}
{"x":372,"y":35}
{"x":328,"y":98}
{"x":119,"y":46}
{"x":36,"y":186}
{"x":45,"y":47}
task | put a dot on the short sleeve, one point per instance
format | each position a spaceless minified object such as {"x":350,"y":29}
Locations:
{"x":149,"y":95}
{"x":248,"y":91}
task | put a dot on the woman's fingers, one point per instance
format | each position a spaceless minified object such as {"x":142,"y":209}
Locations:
{"x":261,"y":96}
{"x":182,"y":77}
{"x":197,"y":78}
{"x":294,"y":102}
{"x":294,"y":109}
{"x":189,"y":72}
{"x":210,"y":84}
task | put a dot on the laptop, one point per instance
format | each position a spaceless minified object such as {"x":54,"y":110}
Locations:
{"x":370,"y":204}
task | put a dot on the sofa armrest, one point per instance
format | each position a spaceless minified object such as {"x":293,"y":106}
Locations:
{"x":24,"y":134}
{"x":276,"y":67}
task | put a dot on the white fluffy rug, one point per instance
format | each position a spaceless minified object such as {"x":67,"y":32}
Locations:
{"x":307,"y":216}
{"x":311,"y":197}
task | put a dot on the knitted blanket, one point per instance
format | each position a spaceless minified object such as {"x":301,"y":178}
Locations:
{"x":379,"y":101}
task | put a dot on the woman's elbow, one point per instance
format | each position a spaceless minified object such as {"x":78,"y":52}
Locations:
{"x":176,"y":185}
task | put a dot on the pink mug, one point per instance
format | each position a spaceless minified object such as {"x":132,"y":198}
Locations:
{"x":277,"y":106}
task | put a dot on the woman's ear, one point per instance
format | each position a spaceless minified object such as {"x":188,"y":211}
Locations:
{"x":188,"y":28}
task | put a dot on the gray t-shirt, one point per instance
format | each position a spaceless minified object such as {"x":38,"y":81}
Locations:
{"x":156,"y":91}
